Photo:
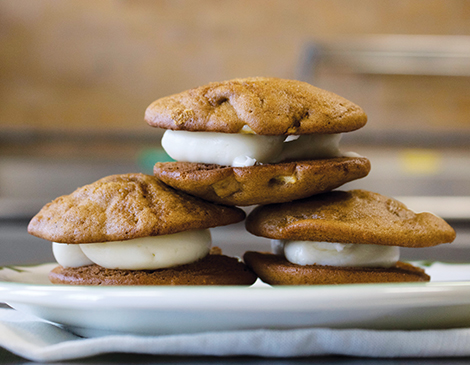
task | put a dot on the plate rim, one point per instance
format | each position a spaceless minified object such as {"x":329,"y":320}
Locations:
{"x":250,"y":298}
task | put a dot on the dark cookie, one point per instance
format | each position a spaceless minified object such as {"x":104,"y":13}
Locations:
{"x":211,"y":270}
{"x":276,"y":270}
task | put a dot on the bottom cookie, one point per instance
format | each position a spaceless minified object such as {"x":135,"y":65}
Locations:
{"x":211,"y":270}
{"x":276,"y":270}
{"x":261,"y":184}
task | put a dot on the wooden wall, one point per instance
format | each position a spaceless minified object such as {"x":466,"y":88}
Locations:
{"x":92,"y":65}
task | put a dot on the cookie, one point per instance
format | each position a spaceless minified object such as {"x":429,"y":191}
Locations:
{"x":276,"y":270}
{"x":266,"y":106}
{"x":355,"y":216}
{"x":123,"y":207}
{"x":211,"y":270}
{"x":262,"y":184}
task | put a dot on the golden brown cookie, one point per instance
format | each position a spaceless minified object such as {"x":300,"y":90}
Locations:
{"x":269,"y":106}
{"x":122,"y":207}
{"x":211,"y":270}
{"x":261,"y":184}
{"x":355,"y":216}
{"x":276,"y":270}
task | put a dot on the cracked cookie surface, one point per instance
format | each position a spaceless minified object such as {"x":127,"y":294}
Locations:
{"x":263,"y":105}
{"x":122,"y":207}
{"x":355,"y":216}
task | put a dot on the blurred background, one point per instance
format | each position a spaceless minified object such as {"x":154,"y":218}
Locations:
{"x":77,"y":76}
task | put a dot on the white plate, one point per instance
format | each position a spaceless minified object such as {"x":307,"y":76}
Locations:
{"x":164,"y":310}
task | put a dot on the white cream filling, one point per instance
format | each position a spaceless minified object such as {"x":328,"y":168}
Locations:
{"x":221,"y":148}
{"x":245,"y":149}
{"x":336,"y":254}
{"x":147,"y":253}
{"x":69,"y":255}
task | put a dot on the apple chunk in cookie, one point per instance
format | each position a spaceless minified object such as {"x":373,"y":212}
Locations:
{"x":133,"y":229}
{"x":341,"y":237}
{"x":241,"y":125}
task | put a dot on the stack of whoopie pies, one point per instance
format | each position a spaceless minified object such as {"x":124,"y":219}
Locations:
{"x":275,"y":143}
{"x":264,"y":142}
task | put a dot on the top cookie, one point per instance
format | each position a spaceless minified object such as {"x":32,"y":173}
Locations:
{"x":268,"y":106}
{"x":355,"y":216}
{"x":122,"y":207}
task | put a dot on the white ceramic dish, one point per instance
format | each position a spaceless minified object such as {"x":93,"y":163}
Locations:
{"x":164,"y":310}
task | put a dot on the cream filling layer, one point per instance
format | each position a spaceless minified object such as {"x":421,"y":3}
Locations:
{"x":336,"y":254}
{"x":240,"y":149}
{"x":147,"y":253}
